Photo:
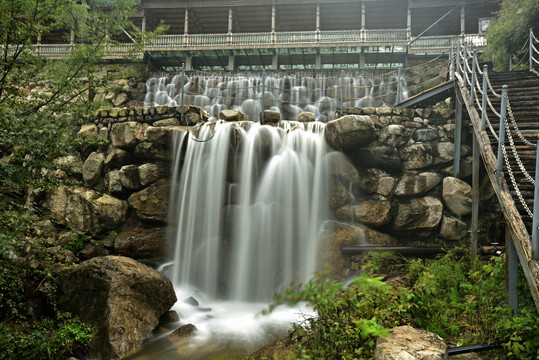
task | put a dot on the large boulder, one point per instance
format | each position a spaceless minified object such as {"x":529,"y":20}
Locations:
{"x":457,"y":195}
{"x":371,"y":213}
{"x":92,"y":168}
{"x":417,"y":184}
{"x":394,"y":135}
{"x":151,"y":203}
{"x":418,"y":155}
{"x":121,"y":298}
{"x":350,"y":132}
{"x":418,"y":214}
{"x":453,"y":228}
{"x":375,"y":181}
{"x":142,"y":243}
{"x":338,"y":193}
{"x":127,"y":134}
{"x":232,"y":115}
{"x":407,"y":343}
{"x":340,"y":167}
{"x":86,"y":210}
{"x":380,"y":157}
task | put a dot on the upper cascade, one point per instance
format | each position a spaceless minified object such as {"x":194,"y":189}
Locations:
{"x":290,"y":94}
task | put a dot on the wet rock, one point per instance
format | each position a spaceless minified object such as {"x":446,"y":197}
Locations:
{"x":340,"y":167}
{"x":170,"y":316}
{"x":191,"y":301}
{"x":417,"y":156}
{"x":271,"y":116}
{"x":457,"y":195}
{"x":142,"y":243}
{"x":424,"y":135}
{"x":162,"y":134}
{"x":417,"y":184}
{"x":232,"y":115}
{"x":86,"y":210}
{"x":121,"y":298}
{"x":128,"y":134}
{"x":407,"y":343}
{"x":92,"y":168}
{"x":62,"y":255}
{"x":129,"y":177}
{"x":452,"y":228}
{"x":371,"y":213}
{"x":338,"y":193}
{"x":120,"y":99}
{"x":183,"y":332}
{"x":418,"y":213}
{"x":151,"y":203}
{"x":152,"y":151}
{"x":350,"y":132}
{"x":380,"y":157}
{"x":148,"y":173}
{"x":306,"y":117}
{"x":117,"y":158}
{"x":113,"y":183}
{"x":394,"y":135}
{"x":445,"y":152}
{"x":375,"y":181}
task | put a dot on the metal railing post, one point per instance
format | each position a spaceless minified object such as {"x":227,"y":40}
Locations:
{"x":472,"y":87}
{"x":457,"y":62}
{"x":457,"y":137}
{"x":399,"y":89}
{"x":452,"y":64}
{"x":531,"y":49}
{"x":484,"y":99}
{"x":263,"y":93}
{"x":342,"y":88}
{"x":501,"y":135}
{"x":535,"y":223}
{"x":182,"y":92}
{"x":511,"y":268}
{"x":464,"y":62}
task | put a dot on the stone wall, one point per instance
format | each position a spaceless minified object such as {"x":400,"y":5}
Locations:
{"x":391,"y":181}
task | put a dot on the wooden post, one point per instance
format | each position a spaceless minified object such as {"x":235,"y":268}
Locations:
{"x":474,"y":235}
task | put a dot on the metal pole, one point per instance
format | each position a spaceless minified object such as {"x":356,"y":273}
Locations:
{"x":501,"y":135}
{"x":535,"y":223}
{"x":181,"y":97}
{"x":399,"y":89}
{"x":263,"y":93}
{"x":531,"y":49}
{"x":475,"y":199}
{"x":342,"y":87}
{"x":484,"y":99}
{"x":464,"y":62}
{"x":511,"y":272}
{"x":472,"y":86}
{"x":458,"y":134}
{"x":452,"y":64}
{"x":458,"y":56}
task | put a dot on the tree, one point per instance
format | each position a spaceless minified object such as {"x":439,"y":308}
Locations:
{"x":40,"y":99}
{"x":508,"y":32}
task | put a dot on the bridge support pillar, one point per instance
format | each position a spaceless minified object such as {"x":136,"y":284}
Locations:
{"x":474,"y":234}
{"x":511,"y":271}
{"x":318,"y":61}
{"x":189,"y":63}
{"x":275,"y":62}
{"x":362,"y":58}
{"x":458,"y":134}
{"x":231,"y":62}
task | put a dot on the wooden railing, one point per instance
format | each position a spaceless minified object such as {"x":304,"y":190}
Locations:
{"x":370,"y":37}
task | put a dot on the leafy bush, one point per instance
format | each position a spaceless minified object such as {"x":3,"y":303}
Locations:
{"x":46,"y":339}
{"x":76,"y":244}
{"x":349,"y":318}
{"x":462,"y":302}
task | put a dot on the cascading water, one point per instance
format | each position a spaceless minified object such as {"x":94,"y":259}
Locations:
{"x":320,"y":93}
{"x":247,"y":207}
{"x":247,"y":203}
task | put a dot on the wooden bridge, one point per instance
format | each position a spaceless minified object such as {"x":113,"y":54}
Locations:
{"x":504,"y":109}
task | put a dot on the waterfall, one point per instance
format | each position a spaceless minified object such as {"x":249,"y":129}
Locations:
{"x":320,"y":93}
{"x":246,"y":207}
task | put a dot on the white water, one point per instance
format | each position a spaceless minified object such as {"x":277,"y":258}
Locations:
{"x":290,"y":94}
{"x":246,"y":209}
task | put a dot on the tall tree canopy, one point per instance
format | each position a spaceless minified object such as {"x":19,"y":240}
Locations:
{"x":41,"y":99}
{"x":508,"y":32}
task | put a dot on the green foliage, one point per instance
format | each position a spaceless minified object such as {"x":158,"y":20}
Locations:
{"x":45,"y":339}
{"x":76,"y":244}
{"x":508,"y":32}
{"x":11,"y":291}
{"x":462,"y":303}
{"x":349,"y":318}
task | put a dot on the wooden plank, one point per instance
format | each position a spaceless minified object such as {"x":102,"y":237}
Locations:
{"x":521,"y":238}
